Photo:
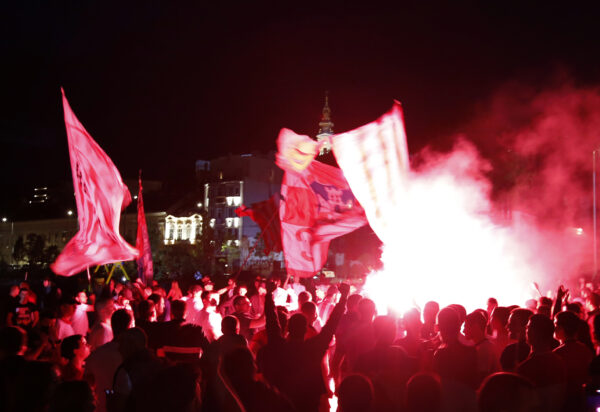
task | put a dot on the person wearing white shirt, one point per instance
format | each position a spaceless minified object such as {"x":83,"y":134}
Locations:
{"x":101,"y":333}
{"x":63,"y":327}
{"x":80,"y":321}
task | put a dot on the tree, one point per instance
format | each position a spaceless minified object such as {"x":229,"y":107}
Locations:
{"x":50,"y":254}
{"x":34,"y":246}
{"x":19,"y":251}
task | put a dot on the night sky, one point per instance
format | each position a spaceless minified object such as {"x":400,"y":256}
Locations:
{"x":161,"y":84}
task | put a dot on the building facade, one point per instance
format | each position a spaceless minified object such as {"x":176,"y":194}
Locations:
{"x":232,"y":181}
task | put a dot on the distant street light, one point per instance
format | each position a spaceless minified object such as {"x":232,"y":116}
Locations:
{"x":4,"y":220}
{"x":199,"y":205}
{"x":70,"y":212}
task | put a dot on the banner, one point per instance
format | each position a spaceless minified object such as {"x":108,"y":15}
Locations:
{"x":142,"y":243}
{"x":317,"y":206}
{"x":374,"y":159}
{"x":100,"y":196}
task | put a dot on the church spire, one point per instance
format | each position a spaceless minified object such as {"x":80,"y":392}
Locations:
{"x":325,"y":126}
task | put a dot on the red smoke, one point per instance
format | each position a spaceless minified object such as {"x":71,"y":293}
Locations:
{"x":492,"y":224}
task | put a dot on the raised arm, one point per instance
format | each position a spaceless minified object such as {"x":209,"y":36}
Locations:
{"x":324,"y":337}
{"x":561,"y":296}
{"x":272,"y":322}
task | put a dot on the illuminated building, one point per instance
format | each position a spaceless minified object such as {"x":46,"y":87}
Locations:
{"x":230,"y":181}
{"x":182,"y":228}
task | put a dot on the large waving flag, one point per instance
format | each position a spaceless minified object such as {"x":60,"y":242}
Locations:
{"x":100,"y":196}
{"x":317,"y":206}
{"x":142,"y":243}
{"x":374,"y":159}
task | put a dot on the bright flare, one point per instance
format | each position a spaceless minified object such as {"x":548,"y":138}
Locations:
{"x":447,"y":248}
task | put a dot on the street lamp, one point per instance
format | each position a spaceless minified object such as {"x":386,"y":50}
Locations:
{"x":4,"y":220}
{"x":70,"y":212}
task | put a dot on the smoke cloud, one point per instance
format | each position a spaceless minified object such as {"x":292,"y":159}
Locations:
{"x":508,"y":207}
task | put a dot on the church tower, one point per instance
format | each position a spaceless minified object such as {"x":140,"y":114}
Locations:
{"x":325,"y":127}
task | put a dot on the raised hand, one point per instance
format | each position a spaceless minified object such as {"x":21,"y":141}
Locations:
{"x":344,"y":289}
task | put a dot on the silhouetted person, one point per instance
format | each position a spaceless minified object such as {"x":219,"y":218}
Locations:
{"x":174,"y":388}
{"x":355,"y":394}
{"x":177,"y":333}
{"x":430,"y":312}
{"x":412,"y":342}
{"x":543,"y":368}
{"x":361,"y":339}
{"x":423,"y":393}
{"x":344,"y":330}
{"x":453,"y":360}
{"x":294,"y":365}
{"x":507,"y":392}
{"x":498,"y":323}
{"x":101,"y":365}
{"x":73,"y":396}
{"x":577,"y":357}
{"x":248,"y":324}
{"x":139,"y":367}
{"x":487,"y":353}
{"x":388,"y":367}
{"x":239,"y":368}
{"x":516,"y":352}
{"x":146,"y":321}
{"x":13,"y":344}
{"x":455,"y":363}
{"x":216,"y":394}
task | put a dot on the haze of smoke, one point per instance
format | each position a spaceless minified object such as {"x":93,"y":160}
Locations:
{"x":492,"y":224}
{"x":541,"y":143}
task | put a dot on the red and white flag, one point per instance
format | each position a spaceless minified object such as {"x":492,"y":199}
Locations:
{"x":142,"y":242}
{"x":374,"y":159}
{"x":316,"y":206}
{"x":100,"y":195}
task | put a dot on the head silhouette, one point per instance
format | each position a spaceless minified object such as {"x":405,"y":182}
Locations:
{"x":297,"y":326}
{"x":423,"y":393}
{"x":449,"y":324}
{"x":355,"y":394}
{"x":384,"y":329}
{"x":540,"y":331}
{"x":230,"y":325}
{"x":366,"y":310}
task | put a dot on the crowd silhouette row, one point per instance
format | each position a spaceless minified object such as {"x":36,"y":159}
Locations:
{"x":279,"y":345}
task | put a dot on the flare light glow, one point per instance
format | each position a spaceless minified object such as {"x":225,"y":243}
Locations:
{"x":446,"y":247}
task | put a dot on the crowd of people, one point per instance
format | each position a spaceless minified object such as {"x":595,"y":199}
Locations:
{"x":279,"y":345}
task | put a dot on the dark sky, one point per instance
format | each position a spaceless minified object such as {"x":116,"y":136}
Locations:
{"x":161,"y":84}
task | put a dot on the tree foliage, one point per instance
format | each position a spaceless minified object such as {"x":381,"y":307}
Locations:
{"x":33,"y":252}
